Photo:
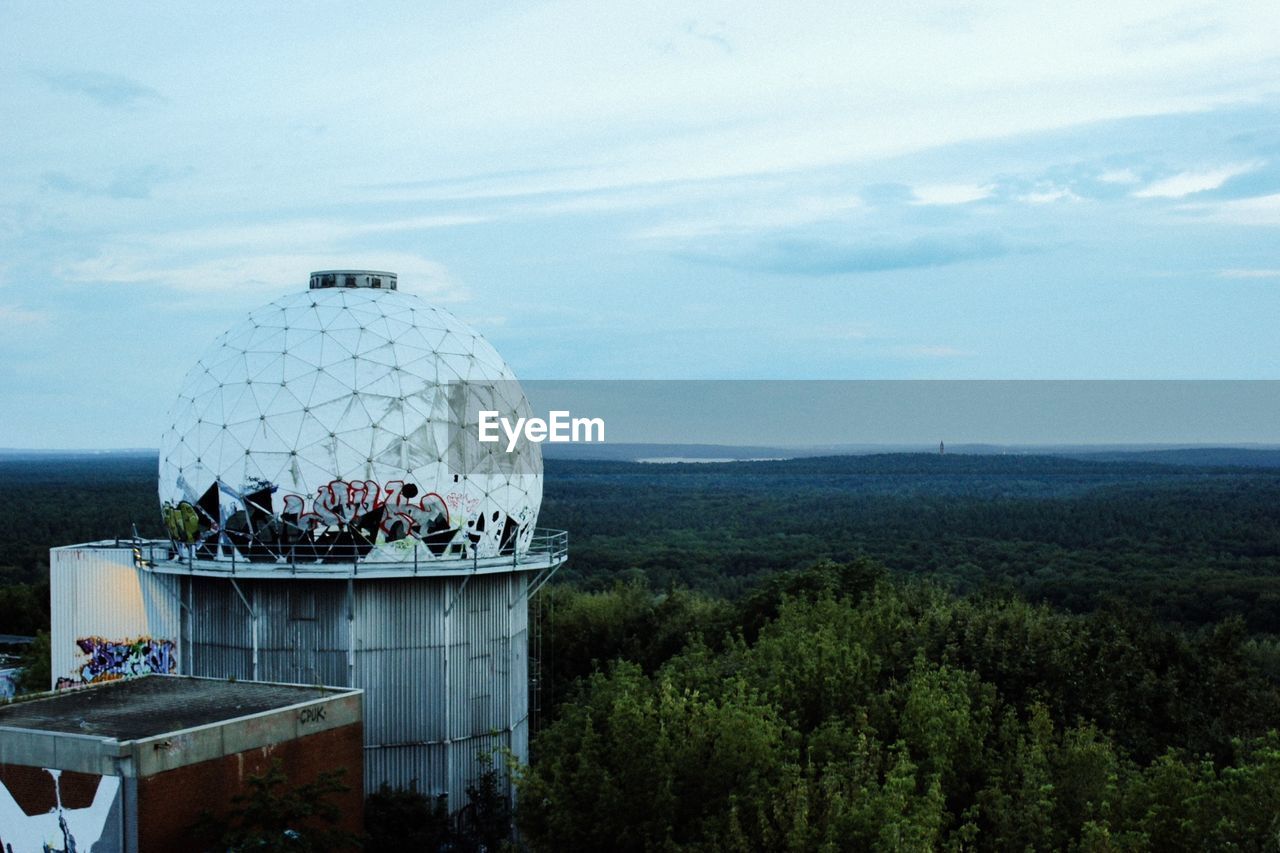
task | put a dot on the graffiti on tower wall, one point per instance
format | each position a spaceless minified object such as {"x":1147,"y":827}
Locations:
{"x":112,"y":659}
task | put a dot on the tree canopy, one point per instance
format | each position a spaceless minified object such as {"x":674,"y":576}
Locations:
{"x":841,"y":710}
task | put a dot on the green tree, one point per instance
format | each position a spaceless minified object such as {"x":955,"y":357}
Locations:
{"x":641,"y":764}
{"x":405,"y":819}
{"x":275,"y":816}
{"x":489,"y":818}
{"x":36,"y":674}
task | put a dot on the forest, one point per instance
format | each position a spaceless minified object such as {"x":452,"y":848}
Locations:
{"x":899,"y":652}
{"x":839,"y":708}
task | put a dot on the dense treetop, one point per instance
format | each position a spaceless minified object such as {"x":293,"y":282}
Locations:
{"x":883,"y":652}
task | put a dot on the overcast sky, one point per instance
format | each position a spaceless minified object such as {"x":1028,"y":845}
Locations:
{"x":642,"y":190}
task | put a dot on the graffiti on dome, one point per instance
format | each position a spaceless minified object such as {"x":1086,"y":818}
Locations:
{"x":343,"y":520}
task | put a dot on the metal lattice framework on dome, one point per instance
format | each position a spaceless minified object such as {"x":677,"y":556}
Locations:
{"x":340,"y":424}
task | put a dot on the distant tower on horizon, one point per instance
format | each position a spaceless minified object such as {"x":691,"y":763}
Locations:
{"x":942,"y":449}
{"x":333,"y":519}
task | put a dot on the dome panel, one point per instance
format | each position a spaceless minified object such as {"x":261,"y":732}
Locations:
{"x":341,"y":423}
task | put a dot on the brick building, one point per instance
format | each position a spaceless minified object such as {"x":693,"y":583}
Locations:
{"x":131,"y":765}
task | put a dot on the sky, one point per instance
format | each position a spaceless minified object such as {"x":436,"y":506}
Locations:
{"x":935,"y":190}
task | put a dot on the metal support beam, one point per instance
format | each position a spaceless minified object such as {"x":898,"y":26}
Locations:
{"x":448,"y":607}
{"x":253,"y":615}
{"x":187,"y":624}
{"x":448,"y":697}
{"x":351,"y":633}
{"x":513,"y":685}
{"x":540,"y":579}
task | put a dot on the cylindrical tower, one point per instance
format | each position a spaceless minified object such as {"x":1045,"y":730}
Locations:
{"x":334,"y":519}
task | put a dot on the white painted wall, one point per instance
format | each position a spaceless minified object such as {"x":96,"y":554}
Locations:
{"x":97,"y":592}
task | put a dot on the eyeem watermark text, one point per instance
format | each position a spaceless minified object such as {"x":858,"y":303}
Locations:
{"x":559,"y":427}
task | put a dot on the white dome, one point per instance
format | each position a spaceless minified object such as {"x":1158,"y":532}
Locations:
{"x":341,"y":422}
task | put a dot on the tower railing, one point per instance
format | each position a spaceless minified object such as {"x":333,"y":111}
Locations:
{"x":547,"y":548}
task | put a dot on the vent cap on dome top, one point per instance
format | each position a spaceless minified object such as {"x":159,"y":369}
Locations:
{"x":376,"y":279}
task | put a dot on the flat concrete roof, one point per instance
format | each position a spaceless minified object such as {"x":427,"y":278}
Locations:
{"x":136,"y":708}
{"x":143,"y":726}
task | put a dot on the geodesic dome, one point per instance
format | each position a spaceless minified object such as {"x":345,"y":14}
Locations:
{"x":340,"y":423}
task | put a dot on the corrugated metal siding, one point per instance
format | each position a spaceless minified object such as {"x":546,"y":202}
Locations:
{"x":302,"y":631}
{"x":412,"y":686}
{"x":97,"y":592}
{"x":221,"y":630}
{"x":393,"y":646}
{"x":472,"y":758}
{"x":399,"y":659}
{"x":397,"y":642}
{"x":419,"y":767}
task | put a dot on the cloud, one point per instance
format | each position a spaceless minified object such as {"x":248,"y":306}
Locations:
{"x":1047,"y":196}
{"x":132,"y":184}
{"x":294,"y":234}
{"x":822,"y":258}
{"x":1185,"y":26}
{"x":109,"y":90}
{"x":750,"y":217}
{"x":951,"y":193}
{"x":1119,"y":176}
{"x":1186,"y":183}
{"x":887,"y":194}
{"x":1258,"y":210}
{"x":16,"y":315}
{"x":841,"y":333}
{"x":1246,"y":273}
{"x":714,"y":34}
{"x":262,"y":273}
{"x":932,"y":351}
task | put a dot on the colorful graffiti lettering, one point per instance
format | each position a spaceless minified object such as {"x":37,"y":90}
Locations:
{"x":344,"y":520}
{"x":397,"y":511}
{"x":194,"y":525}
{"x":109,"y":660}
{"x":349,"y":518}
{"x":182,"y":522}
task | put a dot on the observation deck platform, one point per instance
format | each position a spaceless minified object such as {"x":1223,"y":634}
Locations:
{"x":547,"y":551}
